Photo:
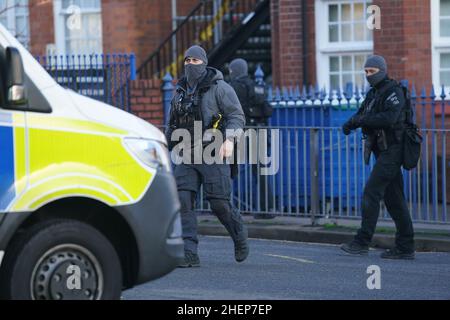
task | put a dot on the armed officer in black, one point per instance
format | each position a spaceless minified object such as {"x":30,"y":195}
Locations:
{"x":257,"y":112}
{"x":381,"y":117}
{"x":203,"y":97}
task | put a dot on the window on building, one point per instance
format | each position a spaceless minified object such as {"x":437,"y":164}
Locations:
{"x":14,"y":16}
{"x":444,"y":68}
{"x":343,"y":42}
{"x":347,"y":69}
{"x":78,"y":26}
{"x":444,"y":18}
{"x":441,"y":42}
{"x":347,"y":22}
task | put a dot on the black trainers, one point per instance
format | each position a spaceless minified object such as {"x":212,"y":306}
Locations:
{"x":398,"y":255}
{"x":241,"y":250}
{"x":355,"y":248}
{"x":191,"y":260}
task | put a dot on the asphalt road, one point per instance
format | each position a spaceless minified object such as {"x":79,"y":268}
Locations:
{"x":278,"y":270}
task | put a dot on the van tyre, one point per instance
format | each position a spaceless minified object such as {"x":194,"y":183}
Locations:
{"x":61,"y":260}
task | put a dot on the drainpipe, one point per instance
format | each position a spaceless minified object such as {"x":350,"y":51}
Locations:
{"x":305,"y":43}
{"x":174,"y":26}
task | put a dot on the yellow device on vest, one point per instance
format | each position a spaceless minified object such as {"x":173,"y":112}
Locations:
{"x":217,"y":122}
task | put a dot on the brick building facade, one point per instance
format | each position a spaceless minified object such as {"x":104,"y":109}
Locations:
{"x":320,"y":42}
{"x":313,"y":41}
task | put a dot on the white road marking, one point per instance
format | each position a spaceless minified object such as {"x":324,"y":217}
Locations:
{"x":291,"y":258}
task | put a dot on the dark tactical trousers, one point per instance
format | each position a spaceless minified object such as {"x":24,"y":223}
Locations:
{"x":216,"y":180}
{"x":386,"y":182}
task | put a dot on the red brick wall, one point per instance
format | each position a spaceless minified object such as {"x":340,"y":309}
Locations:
{"x":287,"y":42}
{"x":286,"y":21}
{"x":135,"y":25}
{"x":184,"y":7}
{"x":42,"y":30}
{"x":146,"y":101}
{"x":128,"y":25}
{"x":405,"y":39}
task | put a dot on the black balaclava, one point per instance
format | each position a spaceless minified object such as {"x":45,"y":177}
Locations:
{"x":376,"y":62}
{"x":238,"y":68}
{"x":194,"y":73}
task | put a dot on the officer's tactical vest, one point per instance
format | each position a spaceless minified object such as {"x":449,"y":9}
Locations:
{"x":187,"y":109}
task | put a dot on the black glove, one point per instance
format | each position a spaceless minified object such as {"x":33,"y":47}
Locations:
{"x":354,"y":123}
{"x":346,"y":128}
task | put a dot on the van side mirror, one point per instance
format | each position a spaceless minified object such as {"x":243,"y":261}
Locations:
{"x":15,"y":84}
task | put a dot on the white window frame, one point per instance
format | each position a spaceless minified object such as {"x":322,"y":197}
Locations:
{"x":439,"y":45}
{"x":60,"y":28}
{"x":11,"y":15}
{"x":325,"y":49}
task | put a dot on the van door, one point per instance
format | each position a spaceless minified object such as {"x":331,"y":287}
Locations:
{"x":13,"y":175}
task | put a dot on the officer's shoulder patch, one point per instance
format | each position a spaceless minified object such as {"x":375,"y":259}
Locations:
{"x":393,"y":98}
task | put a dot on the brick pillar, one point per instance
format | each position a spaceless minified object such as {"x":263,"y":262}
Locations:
{"x":42,"y":28}
{"x":146,"y":101}
{"x":287,"y":62}
{"x":287,"y":42}
{"x":405,"y":39}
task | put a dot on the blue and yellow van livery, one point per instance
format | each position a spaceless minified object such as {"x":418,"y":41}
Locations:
{"x":88,"y":203}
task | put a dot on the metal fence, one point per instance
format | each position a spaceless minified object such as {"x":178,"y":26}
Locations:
{"x":104,"y":77}
{"x":322,"y":172}
{"x":322,"y":175}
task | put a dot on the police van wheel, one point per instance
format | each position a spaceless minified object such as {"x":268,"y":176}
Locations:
{"x":61,"y":260}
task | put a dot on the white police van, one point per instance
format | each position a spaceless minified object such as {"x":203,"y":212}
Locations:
{"x":88,"y":204}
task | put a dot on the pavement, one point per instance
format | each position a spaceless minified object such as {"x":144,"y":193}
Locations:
{"x":283,"y":270}
{"x":429,"y":238}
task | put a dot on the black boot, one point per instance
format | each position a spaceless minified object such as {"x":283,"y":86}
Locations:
{"x":241,"y":251}
{"x":396,"y":254}
{"x":241,"y":247}
{"x":191,"y":260}
{"x":355,"y":248}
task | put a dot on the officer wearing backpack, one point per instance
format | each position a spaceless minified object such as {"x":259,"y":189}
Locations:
{"x":252,"y":97}
{"x":383,"y":117}
{"x":203,"y":97}
{"x":257,"y":112}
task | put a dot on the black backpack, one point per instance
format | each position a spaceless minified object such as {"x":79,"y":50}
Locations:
{"x":412,"y":142}
{"x":253,"y":98}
